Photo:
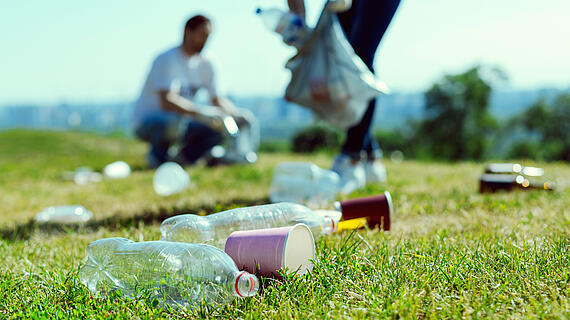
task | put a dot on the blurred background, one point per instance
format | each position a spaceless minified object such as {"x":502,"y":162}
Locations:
{"x":481,"y":80}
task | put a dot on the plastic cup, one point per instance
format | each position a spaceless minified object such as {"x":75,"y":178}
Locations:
{"x":376,"y":209}
{"x":170,"y":178}
{"x":117,"y":170}
{"x":266,"y":251}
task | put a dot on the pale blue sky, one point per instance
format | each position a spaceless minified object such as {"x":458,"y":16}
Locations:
{"x":97,"y":51}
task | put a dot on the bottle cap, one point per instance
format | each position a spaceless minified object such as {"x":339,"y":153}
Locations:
{"x":246,"y":284}
{"x":267,"y":251}
{"x":376,"y":209}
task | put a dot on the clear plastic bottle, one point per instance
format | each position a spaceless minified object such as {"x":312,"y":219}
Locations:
{"x":304,"y":182}
{"x":214,"y":229}
{"x":172,"y":272}
{"x":64,"y":214}
{"x":290,"y":26}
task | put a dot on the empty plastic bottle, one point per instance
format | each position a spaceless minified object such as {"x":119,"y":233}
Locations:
{"x":215,"y":229}
{"x":290,"y":26}
{"x":304,"y":182}
{"x":172,"y":272}
{"x":64,"y":214}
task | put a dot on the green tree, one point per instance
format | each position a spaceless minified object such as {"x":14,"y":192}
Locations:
{"x":317,"y":137}
{"x":552,"y":123}
{"x":457,"y":122}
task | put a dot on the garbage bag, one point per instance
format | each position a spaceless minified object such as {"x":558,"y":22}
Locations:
{"x":329,"y":78}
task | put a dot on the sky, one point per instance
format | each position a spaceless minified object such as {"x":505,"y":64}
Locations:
{"x":83,"y":51}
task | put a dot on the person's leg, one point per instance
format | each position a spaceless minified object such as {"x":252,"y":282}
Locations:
{"x":159,"y":130}
{"x":198,"y":140}
{"x":365,"y":24}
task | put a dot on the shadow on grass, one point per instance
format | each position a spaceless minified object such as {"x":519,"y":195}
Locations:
{"x":25,"y":230}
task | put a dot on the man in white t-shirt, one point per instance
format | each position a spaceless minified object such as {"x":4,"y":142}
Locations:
{"x":165,"y":104}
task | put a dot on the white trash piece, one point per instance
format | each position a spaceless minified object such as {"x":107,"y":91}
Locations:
{"x":64,"y":214}
{"x":82,"y":175}
{"x":304,"y":182}
{"x":178,"y":274}
{"x":214,"y":229}
{"x":117,"y":170}
{"x":170,"y":178}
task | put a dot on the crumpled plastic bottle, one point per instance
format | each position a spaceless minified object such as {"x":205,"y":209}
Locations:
{"x":304,"y":182}
{"x":179,"y":274}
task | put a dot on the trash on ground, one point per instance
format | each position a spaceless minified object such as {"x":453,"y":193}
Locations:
{"x":514,"y":168}
{"x":510,"y":182}
{"x":82,"y":176}
{"x":170,"y":178}
{"x":178,"y":274}
{"x":117,"y":170}
{"x":215,"y":228}
{"x":377,"y":210}
{"x":274,"y":250}
{"x":305,"y":183}
{"x":72,"y":214}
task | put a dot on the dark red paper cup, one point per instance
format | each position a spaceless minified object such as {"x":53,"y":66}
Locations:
{"x":266,"y":251}
{"x":376,"y":209}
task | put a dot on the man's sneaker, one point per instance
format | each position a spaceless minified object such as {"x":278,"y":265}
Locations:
{"x":351,"y":172}
{"x":375,"y":171}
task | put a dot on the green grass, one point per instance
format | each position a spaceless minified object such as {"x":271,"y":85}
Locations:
{"x":451,"y":253}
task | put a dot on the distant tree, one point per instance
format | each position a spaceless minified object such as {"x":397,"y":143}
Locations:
{"x":457,"y":121}
{"x":317,"y":137}
{"x":552,"y":123}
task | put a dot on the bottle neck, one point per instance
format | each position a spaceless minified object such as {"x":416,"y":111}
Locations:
{"x":244,"y":284}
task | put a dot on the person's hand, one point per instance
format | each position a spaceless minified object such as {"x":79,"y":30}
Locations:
{"x":339,"y":5}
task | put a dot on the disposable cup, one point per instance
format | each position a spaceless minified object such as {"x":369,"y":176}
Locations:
{"x":266,"y":251}
{"x":170,"y":178}
{"x":376,"y":209}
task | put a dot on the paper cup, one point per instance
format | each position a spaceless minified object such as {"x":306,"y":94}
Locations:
{"x":376,"y":209}
{"x":266,"y":251}
{"x":170,"y":178}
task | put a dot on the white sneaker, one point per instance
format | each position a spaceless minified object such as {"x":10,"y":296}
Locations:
{"x":351,"y":172}
{"x":375,"y":171}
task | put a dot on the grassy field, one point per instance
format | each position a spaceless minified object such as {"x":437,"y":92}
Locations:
{"x":451,"y":253}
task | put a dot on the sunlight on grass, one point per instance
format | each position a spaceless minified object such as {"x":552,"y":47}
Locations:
{"x":451,"y":253}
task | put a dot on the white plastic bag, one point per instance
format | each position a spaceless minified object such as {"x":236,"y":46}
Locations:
{"x":329,"y":78}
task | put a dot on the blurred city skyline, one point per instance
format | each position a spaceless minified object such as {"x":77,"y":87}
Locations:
{"x":82,"y":51}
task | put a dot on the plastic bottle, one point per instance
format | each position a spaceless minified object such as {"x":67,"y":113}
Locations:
{"x":170,"y":178}
{"x":290,"y":26}
{"x":214,"y":229}
{"x":172,"y":272}
{"x":304,"y":182}
{"x":64,"y":214}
